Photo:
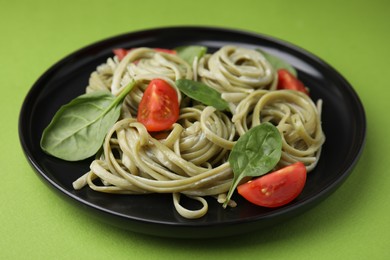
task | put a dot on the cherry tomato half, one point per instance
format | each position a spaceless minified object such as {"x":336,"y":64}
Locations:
{"x":159,"y":106}
{"x":277,"y":188}
{"x":121,"y":53}
{"x":286,"y":80}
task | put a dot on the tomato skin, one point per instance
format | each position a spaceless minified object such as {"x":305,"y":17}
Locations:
{"x":121,"y":52}
{"x":159,"y":106}
{"x":277,"y":188}
{"x":286,"y":80}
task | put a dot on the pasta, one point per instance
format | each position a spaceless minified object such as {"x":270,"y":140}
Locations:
{"x":191,"y":159}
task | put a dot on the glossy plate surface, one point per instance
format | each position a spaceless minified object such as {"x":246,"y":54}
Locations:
{"x":343,"y":119}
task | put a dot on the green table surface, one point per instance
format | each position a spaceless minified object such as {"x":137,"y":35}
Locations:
{"x":352,"y":36}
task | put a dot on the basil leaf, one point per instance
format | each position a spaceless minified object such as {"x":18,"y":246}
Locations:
{"x":188,"y":53}
{"x":78,"y":129}
{"x":277,"y":62}
{"x":256,"y":153}
{"x":202,"y":93}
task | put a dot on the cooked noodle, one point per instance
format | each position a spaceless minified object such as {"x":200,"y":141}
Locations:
{"x":192,"y":158}
{"x":295,"y":115}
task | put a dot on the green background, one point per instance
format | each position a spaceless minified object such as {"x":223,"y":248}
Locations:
{"x":352,"y":36}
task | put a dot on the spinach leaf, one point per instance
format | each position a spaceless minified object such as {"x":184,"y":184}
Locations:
{"x":188,"y":53}
{"x":77,"y":130}
{"x":277,"y":62}
{"x":202,"y":93}
{"x":255,"y":154}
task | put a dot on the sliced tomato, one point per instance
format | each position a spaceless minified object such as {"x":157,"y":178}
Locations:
{"x":277,"y":188}
{"x":286,"y":80}
{"x":165,"y":50}
{"x":159,"y":106}
{"x":121,"y":53}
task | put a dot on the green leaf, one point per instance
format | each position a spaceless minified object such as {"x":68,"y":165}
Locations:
{"x":188,"y":53}
{"x":256,"y":153}
{"x":202,"y":93}
{"x":278,"y":63}
{"x":77,"y":130}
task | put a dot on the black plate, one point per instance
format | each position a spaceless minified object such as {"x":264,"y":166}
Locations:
{"x":344,"y":124}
